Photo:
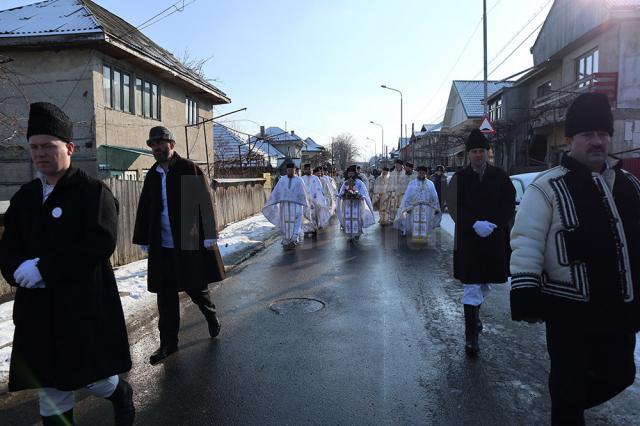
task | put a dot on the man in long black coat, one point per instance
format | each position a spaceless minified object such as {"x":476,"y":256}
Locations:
{"x":481,"y":201}
{"x":60,"y":230}
{"x":176,"y":224}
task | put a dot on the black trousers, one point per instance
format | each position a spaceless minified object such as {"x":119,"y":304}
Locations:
{"x":587,"y":369}
{"x":169,"y":301}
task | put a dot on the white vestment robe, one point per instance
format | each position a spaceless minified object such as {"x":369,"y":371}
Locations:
{"x":289,"y":208}
{"x":419,"y":213}
{"x":355,"y":214}
{"x":319,"y":204}
{"x":330,"y":192}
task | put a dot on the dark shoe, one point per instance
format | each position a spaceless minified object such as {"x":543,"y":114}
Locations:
{"x":162,"y":353}
{"x":122,"y":399}
{"x":471,"y":347}
{"x":64,"y":419}
{"x":214,"y":324}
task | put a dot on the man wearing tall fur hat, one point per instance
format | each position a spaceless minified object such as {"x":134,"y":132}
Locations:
{"x":60,"y":231}
{"x":576,"y":264}
{"x":481,"y":201}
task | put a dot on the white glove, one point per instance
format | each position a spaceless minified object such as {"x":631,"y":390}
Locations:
{"x":484,"y":228}
{"x":210,"y":243}
{"x":144,"y":248}
{"x":27,"y":275}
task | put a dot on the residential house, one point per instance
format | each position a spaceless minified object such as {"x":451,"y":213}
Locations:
{"x":113,"y":82}
{"x":288,"y":145}
{"x":584,"y":46}
{"x":430,"y":145}
{"x":465,"y":110}
{"x":233,"y":151}
{"x":313,"y":153}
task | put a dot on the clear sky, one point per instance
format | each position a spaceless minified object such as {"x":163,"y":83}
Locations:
{"x":316,"y":66}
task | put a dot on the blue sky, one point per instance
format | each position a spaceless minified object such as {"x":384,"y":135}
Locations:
{"x":317,"y":65}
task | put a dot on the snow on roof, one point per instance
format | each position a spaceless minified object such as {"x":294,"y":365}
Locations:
{"x":471,"y":93}
{"x":428,"y":129}
{"x":63,"y":17}
{"x":312,"y":146}
{"x":227,"y":144}
{"x":276,"y":135}
{"x":50,"y":17}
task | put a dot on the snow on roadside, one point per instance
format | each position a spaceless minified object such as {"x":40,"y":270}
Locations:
{"x":132,"y":280}
{"x":447,"y":224}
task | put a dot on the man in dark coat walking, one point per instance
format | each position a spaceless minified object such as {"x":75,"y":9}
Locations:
{"x":176,"y":224}
{"x":60,"y":230}
{"x":440,"y":182}
{"x":481,"y":201}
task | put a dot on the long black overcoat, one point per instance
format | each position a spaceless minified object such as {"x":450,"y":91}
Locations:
{"x":479,"y":260}
{"x":192,"y":220}
{"x":72,"y":332}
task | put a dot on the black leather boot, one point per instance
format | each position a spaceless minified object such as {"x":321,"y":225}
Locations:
{"x":64,"y":419}
{"x":471,"y":346}
{"x":213,"y":322}
{"x":122,"y":399}
{"x":162,"y":352}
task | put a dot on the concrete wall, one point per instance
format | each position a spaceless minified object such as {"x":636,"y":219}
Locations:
{"x":72,"y":78}
{"x":568,"y":20}
{"x":56,"y":76}
{"x":128,"y":130}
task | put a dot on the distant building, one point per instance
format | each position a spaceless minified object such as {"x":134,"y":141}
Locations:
{"x":113,"y":82}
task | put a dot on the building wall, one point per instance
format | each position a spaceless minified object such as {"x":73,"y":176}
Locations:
{"x":128,"y":130}
{"x":72,"y":79}
{"x":56,"y":76}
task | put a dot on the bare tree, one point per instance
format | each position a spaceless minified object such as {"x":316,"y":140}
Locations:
{"x":343,"y":150}
{"x":195,"y":64}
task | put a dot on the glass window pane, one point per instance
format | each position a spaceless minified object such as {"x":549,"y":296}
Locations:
{"x":147,"y":99}
{"x":596,"y":60}
{"x":154,"y":101}
{"x":589,"y":69}
{"x":116,"y":90}
{"x":194,"y":114}
{"x":126,"y":93}
{"x":138,"y":96}
{"x":106,"y":85}
{"x":188,"y":110}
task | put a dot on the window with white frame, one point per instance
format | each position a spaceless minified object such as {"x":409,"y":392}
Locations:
{"x":495,"y":109}
{"x":587,"y":65}
{"x":192,"y":111}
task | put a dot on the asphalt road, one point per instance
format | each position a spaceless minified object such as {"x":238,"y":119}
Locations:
{"x":376,"y":337}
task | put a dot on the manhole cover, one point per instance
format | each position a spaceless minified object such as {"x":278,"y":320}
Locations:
{"x":296,"y":305}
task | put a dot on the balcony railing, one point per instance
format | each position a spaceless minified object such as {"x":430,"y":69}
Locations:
{"x":602,"y":82}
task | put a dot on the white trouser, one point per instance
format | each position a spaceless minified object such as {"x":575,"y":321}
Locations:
{"x":474,"y":294}
{"x":54,"y":401}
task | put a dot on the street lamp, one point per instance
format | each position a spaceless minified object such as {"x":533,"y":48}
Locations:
{"x":401,"y":124}
{"x":382,"y":143}
{"x":375,"y":155}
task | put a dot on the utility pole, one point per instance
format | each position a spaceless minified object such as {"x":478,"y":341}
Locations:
{"x":484,"y":24}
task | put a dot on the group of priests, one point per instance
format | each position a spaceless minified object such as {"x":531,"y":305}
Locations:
{"x":301,"y":205}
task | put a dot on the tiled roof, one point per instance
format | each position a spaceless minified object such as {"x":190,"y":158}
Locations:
{"x":227,"y":144}
{"x":61,"y":17}
{"x":471,"y":93}
{"x":276,"y":135}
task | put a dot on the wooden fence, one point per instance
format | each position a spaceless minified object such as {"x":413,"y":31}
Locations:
{"x":235,"y":200}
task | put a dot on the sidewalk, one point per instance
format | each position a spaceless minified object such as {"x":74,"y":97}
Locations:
{"x":236,"y":242}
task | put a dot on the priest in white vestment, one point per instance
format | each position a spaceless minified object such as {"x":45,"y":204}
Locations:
{"x":383,"y":192}
{"x":355,"y":210}
{"x":319,"y":207}
{"x":329,"y":188}
{"x":395,"y":182}
{"x":419,"y":213}
{"x":289,"y":207}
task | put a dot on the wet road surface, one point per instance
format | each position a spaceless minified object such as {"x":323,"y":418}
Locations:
{"x":339,"y":334}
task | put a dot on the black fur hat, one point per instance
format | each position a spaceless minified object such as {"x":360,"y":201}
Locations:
{"x":47,"y":119}
{"x":476,"y":140}
{"x":589,"y":112}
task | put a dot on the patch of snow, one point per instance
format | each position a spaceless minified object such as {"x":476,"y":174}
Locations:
{"x":447,"y":224}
